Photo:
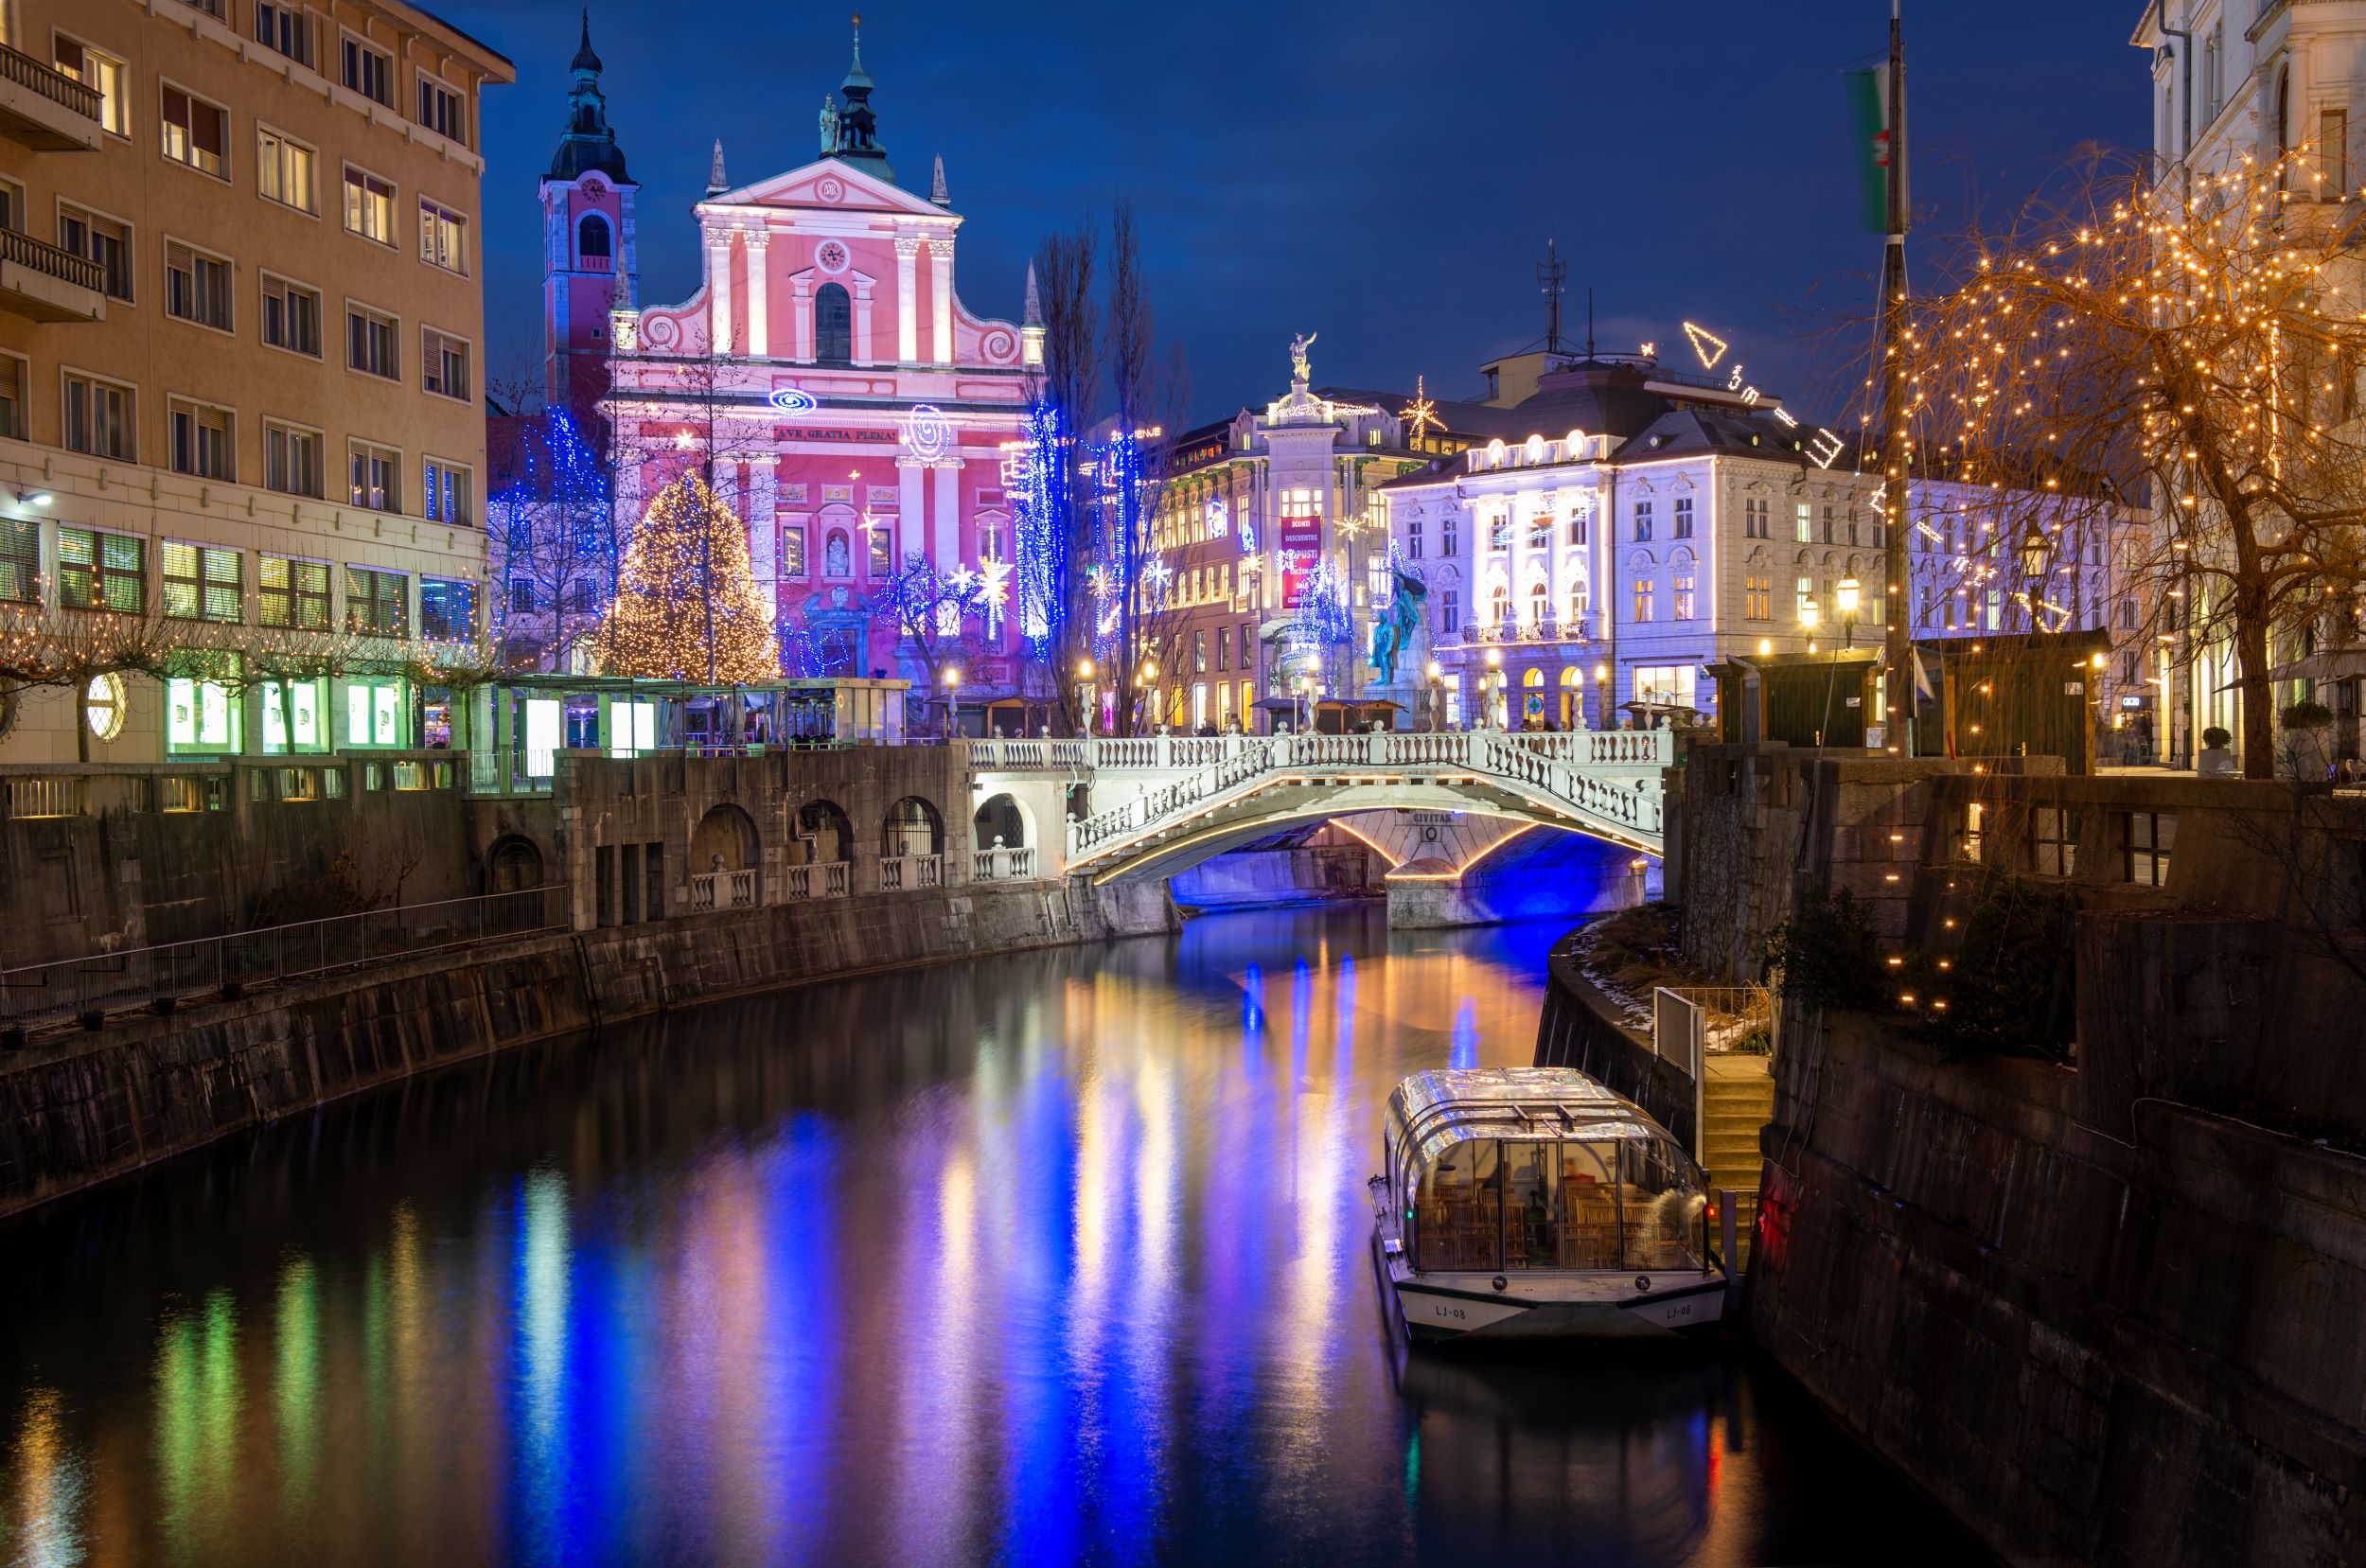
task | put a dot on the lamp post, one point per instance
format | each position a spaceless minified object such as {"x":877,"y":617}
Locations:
{"x":1850,"y":591}
{"x":952,"y":699}
{"x":1601,"y":697}
{"x":1150,"y":693}
{"x":1083,"y":697}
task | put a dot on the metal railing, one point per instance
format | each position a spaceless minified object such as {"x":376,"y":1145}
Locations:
{"x":902,"y":872}
{"x":88,"y":988}
{"x":51,"y":260}
{"x":1002,"y":865}
{"x":55,"y":85}
{"x":711,"y":890}
{"x":47,"y":795}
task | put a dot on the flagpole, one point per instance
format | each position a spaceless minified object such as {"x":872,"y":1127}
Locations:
{"x":1897,"y":641}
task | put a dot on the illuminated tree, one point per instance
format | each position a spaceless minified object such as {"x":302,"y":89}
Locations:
{"x":938,"y":615}
{"x":552,"y":532}
{"x":2200,"y":350}
{"x":687,"y":605}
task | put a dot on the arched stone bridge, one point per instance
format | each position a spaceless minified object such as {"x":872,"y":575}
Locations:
{"x":1155,"y":806}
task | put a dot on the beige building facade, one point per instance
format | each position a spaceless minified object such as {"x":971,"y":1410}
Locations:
{"x":241,"y":333}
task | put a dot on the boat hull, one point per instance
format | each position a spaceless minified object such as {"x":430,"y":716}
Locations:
{"x":1547,"y":1304}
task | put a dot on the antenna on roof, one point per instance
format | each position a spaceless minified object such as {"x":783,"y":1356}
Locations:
{"x":1589,"y":321}
{"x":1551,"y":274}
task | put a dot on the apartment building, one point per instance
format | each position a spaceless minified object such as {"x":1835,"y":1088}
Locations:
{"x":240,"y":331}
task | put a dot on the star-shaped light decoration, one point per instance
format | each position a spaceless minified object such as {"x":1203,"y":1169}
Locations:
{"x":1421,"y":413}
{"x":994,"y":583}
{"x":1157,"y":574}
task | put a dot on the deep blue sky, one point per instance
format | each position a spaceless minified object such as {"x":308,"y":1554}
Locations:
{"x":1383,"y":173}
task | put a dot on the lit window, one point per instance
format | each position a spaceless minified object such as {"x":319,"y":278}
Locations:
{"x":443,"y":237}
{"x":288,"y":171}
{"x":292,"y":594}
{"x":444,"y":361}
{"x":447,"y":609}
{"x":203,"y":583}
{"x":1684,"y":598}
{"x":102,"y":72}
{"x":369,"y":205}
{"x":1642,"y":600}
{"x":451,"y":492}
{"x":196,"y":132}
{"x":376,"y":479}
{"x":100,"y":571}
{"x":377,"y":602}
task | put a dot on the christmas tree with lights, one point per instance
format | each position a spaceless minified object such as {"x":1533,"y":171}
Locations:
{"x":687,"y":606}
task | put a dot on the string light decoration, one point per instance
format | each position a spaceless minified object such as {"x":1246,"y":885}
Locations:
{"x":1321,"y":625}
{"x":1030,"y":478}
{"x":550,"y":532}
{"x":687,"y":606}
{"x":1420,"y":415}
{"x":2120,"y":346}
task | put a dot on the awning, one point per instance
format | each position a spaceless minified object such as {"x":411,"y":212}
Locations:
{"x":2329,"y":664}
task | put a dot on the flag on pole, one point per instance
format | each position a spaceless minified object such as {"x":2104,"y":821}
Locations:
{"x":1869,"y":104}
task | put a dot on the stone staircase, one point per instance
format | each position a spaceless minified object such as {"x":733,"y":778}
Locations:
{"x":1736,"y":1103}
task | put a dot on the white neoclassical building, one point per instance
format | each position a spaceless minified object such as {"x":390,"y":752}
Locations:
{"x":1654,"y":522}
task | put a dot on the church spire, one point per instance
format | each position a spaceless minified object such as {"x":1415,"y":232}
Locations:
{"x":587,"y":144}
{"x":937,"y":192}
{"x":716,"y":184}
{"x":857,"y":124}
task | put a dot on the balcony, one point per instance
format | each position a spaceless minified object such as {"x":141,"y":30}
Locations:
{"x":44,"y":109}
{"x":1549,"y":629}
{"x":41,"y":282}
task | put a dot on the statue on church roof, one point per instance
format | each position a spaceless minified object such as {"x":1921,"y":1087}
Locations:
{"x":1298,"y":345}
{"x":829,"y":123}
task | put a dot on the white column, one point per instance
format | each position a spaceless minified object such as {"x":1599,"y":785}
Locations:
{"x":941,"y":293}
{"x":719,"y":291}
{"x":759,"y":327}
{"x":800,"y":318}
{"x":911,"y":507}
{"x":762,"y":537}
{"x":907,"y":302}
{"x":944,"y":526}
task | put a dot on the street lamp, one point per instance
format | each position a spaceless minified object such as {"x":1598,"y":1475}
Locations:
{"x":952,"y":699}
{"x":1849,"y":589}
{"x":1083,"y":697}
{"x":1601,"y":695}
{"x":2033,"y":555}
{"x":1810,"y":613}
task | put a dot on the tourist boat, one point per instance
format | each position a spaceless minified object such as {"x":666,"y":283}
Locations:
{"x":1533,"y":1201}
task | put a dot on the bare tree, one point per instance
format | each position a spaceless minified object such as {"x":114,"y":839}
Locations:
{"x":1072,"y":376}
{"x":552,"y":524}
{"x":938,"y":615}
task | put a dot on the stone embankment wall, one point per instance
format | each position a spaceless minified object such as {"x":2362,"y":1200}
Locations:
{"x":2099,"y":1327}
{"x":77,"y":1110}
{"x":1579,"y":1027}
{"x":2106,"y":1310}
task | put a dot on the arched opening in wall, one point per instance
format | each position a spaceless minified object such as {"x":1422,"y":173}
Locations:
{"x":513,"y":870}
{"x":725,"y":842}
{"x":833,"y":324}
{"x":1572,"y":696}
{"x":911,"y":827}
{"x":1540,"y":604}
{"x":514,"y":866}
{"x":823,"y":835}
{"x":1498,"y":606}
{"x":1532,"y":701}
{"x":999,"y":824}
{"x":837,"y":557}
{"x":592,"y":241}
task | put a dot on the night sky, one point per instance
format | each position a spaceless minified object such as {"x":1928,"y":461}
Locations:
{"x":1383,"y":174}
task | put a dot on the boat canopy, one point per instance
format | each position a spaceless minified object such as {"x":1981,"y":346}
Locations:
{"x":1537,"y":1167}
{"x":1431,"y":1111}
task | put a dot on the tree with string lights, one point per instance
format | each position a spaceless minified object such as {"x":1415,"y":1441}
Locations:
{"x":687,"y":604}
{"x":938,"y":614}
{"x":2121,"y":343}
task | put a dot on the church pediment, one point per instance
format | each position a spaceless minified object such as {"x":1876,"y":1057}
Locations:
{"x":831,"y":184}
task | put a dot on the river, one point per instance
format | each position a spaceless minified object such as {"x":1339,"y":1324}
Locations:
{"x":1048,"y":1258}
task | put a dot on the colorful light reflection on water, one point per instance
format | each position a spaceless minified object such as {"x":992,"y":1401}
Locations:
{"x":1060,"y":1258}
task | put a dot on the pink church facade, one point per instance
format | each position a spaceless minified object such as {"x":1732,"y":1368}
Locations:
{"x":851,"y":408}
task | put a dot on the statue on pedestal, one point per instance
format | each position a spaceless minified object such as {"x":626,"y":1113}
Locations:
{"x":829,"y":125}
{"x":1298,"y":345}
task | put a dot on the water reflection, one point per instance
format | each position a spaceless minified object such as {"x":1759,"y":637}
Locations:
{"x":1060,"y":1258}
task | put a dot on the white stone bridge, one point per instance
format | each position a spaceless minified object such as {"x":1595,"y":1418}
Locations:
{"x":1153,"y":807}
